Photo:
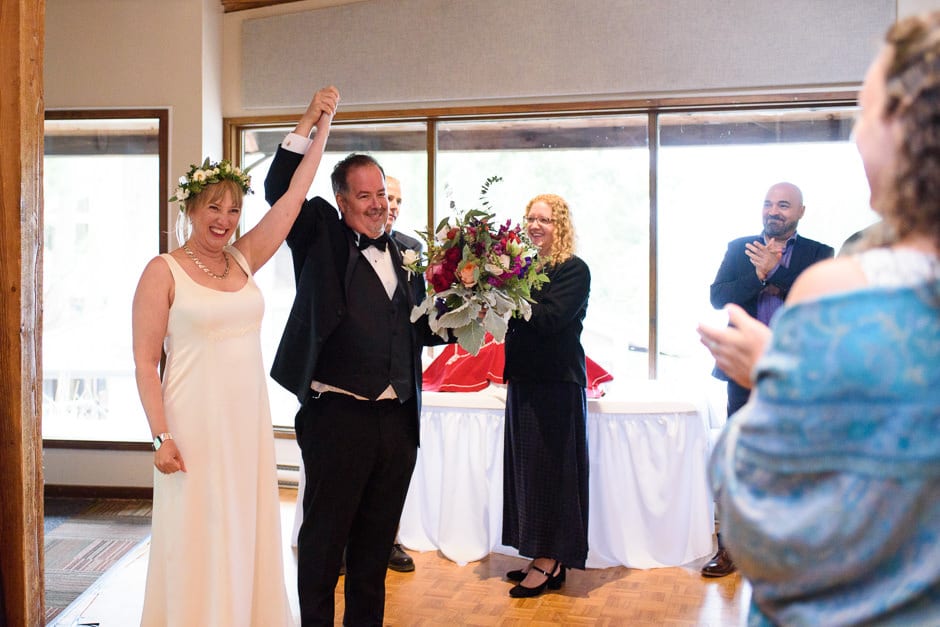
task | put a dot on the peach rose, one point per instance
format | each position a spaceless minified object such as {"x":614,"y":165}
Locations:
{"x":466,"y":275}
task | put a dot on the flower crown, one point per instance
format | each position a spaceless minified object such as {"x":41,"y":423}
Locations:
{"x":199,"y":176}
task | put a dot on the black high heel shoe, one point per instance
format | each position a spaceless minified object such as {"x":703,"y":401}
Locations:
{"x":520,"y":575}
{"x":552,"y":582}
{"x":516,"y":575}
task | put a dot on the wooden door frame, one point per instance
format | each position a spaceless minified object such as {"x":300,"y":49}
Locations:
{"x":22,"y":36}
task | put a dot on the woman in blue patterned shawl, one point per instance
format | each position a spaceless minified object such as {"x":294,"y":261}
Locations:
{"x":828,"y":481}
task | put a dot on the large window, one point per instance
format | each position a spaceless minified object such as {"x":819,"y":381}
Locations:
{"x":600,"y":165}
{"x":714,"y":169}
{"x":102,"y":223}
{"x":656,"y":196}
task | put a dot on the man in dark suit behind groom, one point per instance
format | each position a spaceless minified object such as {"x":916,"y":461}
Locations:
{"x":399,"y":560}
{"x":393,"y":187}
{"x":757,"y":273}
{"x":352,"y":357}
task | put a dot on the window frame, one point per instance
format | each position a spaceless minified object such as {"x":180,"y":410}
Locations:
{"x":163,"y":117}
{"x":651,"y":107}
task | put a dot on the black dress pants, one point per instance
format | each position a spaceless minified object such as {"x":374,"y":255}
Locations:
{"x":737,"y":397}
{"x":358,"y":457}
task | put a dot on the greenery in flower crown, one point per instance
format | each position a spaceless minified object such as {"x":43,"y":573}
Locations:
{"x":200,"y":176}
{"x":474,"y":266}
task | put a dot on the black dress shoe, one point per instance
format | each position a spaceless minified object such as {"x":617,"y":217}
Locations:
{"x":719,"y":565}
{"x":553,"y":580}
{"x":399,"y":561}
{"x":517,"y":575}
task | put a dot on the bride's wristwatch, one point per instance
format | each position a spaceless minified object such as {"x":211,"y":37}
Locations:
{"x":159,"y":439}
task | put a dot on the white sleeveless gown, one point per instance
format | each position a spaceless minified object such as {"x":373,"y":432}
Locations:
{"x":215,"y":553}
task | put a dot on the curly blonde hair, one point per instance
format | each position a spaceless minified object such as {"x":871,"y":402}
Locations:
{"x":913,"y":98}
{"x":563,"y":244}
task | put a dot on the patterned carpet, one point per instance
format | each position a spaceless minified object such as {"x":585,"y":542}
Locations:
{"x":84,"y":538}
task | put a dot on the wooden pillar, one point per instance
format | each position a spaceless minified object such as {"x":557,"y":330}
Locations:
{"x":22,"y":33}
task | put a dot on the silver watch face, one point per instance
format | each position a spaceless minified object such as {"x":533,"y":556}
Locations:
{"x":156,"y":443}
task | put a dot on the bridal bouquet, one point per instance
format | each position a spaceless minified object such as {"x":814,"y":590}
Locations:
{"x":474,"y":265}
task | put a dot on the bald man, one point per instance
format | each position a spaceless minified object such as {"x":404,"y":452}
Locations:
{"x":757,"y":273}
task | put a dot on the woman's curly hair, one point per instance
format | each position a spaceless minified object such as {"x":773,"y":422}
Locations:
{"x":563,"y":244}
{"x":913,"y":98}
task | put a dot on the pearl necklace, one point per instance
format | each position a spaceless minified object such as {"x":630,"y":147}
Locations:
{"x":203,"y":267}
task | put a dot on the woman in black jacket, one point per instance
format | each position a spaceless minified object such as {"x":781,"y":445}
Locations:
{"x":545,"y":484}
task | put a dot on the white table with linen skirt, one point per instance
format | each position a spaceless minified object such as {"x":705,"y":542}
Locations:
{"x":650,"y":505}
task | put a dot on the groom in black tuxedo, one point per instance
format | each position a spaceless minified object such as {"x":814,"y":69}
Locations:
{"x":757,"y":273}
{"x":352,"y":357}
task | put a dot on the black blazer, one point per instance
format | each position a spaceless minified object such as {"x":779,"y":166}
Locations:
{"x":547,"y":347}
{"x":736,"y":281}
{"x":406,"y":241}
{"x":323,"y":252}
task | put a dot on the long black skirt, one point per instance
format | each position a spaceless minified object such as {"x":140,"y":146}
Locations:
{"x":545,"y":471}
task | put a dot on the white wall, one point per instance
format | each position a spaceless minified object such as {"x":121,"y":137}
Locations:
{"x":414,"y":53}
{"x":141,"y":54}
{"x":910,"y":7}
{"x":134,"y":469}
{"x":84,"y":467}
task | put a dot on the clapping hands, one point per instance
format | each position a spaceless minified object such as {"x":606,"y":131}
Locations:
{"x":764,"y":257}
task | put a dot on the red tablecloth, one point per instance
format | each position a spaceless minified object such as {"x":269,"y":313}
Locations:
{"x":456,"y":370}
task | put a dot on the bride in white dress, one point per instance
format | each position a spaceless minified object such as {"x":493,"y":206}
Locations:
{"x":215,"y":553}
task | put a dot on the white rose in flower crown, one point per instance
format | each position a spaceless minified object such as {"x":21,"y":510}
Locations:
{"x":182,"y":193}
{"x":199,"y":176}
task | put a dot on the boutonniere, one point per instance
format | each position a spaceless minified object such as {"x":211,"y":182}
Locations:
{"x":410,"y":259}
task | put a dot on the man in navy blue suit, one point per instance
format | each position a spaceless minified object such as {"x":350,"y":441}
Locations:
{"x":757,"y":273}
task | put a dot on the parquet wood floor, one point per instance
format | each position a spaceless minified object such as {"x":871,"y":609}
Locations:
{"x":440,"y":592}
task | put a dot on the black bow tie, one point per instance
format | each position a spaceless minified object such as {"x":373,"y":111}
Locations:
{"x":379,"y":242}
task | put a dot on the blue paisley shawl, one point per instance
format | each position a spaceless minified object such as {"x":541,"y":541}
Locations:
{"x":828,"y":481}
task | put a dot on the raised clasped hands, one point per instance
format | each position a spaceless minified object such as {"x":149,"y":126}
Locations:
{"x":737,"y":347}
{"x":764,"y":257}
{"x":322,"y":108}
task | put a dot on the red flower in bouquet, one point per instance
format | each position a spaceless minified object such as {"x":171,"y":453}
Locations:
{"x":479,"y":275}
